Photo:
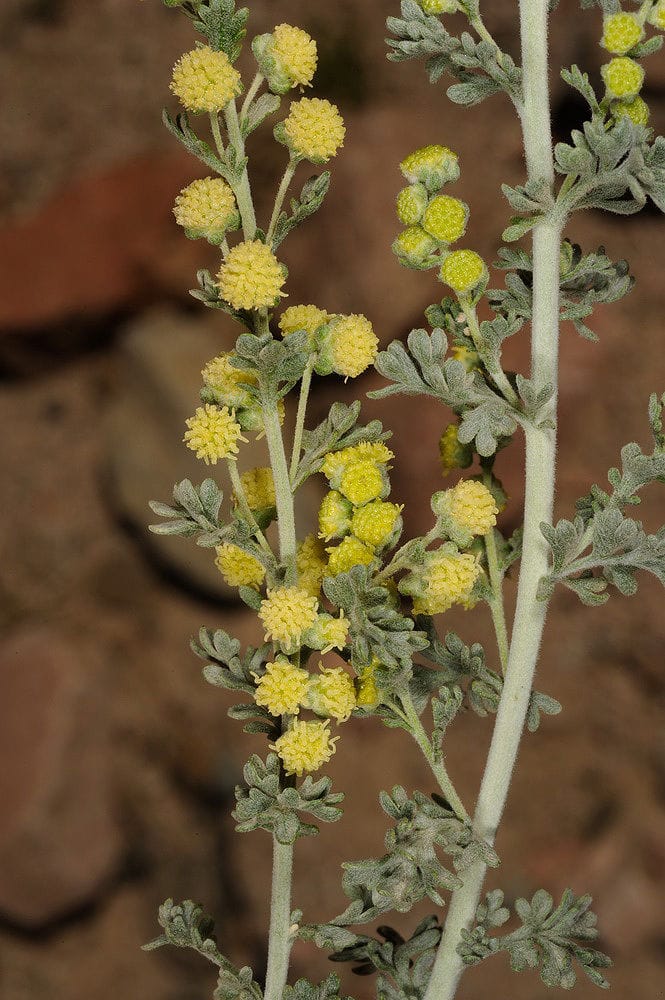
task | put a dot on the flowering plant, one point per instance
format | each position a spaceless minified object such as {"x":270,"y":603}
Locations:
{"x":357,"y":592}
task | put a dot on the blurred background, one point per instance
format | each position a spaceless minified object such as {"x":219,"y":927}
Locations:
{"x":117,"y":761}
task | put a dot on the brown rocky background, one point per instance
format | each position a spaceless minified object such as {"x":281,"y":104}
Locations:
{"x":117,"y":760}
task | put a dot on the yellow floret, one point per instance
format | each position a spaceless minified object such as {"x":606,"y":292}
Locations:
{"x":213,"y":433}
{"x":361,"y":482}
{"x":331,"y":693}
{"x":367,"y":690}
{"x":411,"y":203}
{"x":453,"y":454}
{"x":637,"y":110}
{"x":349,"y":345}
{"x":621,"y":33}
{"x":231,"y":383}
{"x":447,"y":578}
{"x":623,"y":77}
{"x":239,"y":568}
{"x":446,"y":218}
{"x":334,"y":516}
{"x":311,"y":565}
{"x":309,"y":318}
{"x":286,"y":613}
{"x":463,"y":270}
{"x":305,"y":746}
{"x":205,"y":80}
{"x":206,"y":207}
{"x":375,"y":522}
{"x":472,"y":506}
{"x":295,"y":53}
{"x":282,"y":688}
{"x":251,"y":277}
{"x":349,"y":553}
{"x":335,"y":462}
{"x":259,"y":488}
{"x":432,"y":166}
{"x":414,"y":245}
{"x":657,"y":15}
{"x":314,"y":129}
{"x":327,"y":633}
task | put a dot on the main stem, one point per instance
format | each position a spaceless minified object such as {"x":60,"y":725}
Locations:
{"x":539,"y":498}
{"x":279,"y":945}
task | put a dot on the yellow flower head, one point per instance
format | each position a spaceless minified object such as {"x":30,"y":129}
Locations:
{"x":251,"y":277}
{"x":362,"y":481}
{"x":239,"y":568}
{"x":446,"y":578}
{"x":311,"y":565}
{"x":463,"y":270}
{"x":349,"y":553}
{"x":331,"y":693}
{"x":205,"y":80}
{"x":348,"y":346}
{"x":367,"y":690}
{"x":375,"y":523}
{"x":327,"y":633}
{"x":207,"y":208}
{"x":411,"y":203}
{"x":445,"y":218}
{"x":413,"y":246}
{"x":309,"y":318}
{"x":286,"y":613}
{"x":471,"y":506}
{"x":432,"y":166}
{"x":259,"y":488}
{"x":621,"y":33}
{"x":637,"y":110}
{"x":335,"y":462}
{"x":623,"y":77}
{"x":295,"y":53}
{"x":305,"y":746}
{"x":334,"y":516}
{"x":657,"y":15}
{"x":229,"y":382}
{"x":314,"y":130}
{"x":453,"y":454}
{"x":282,"y":688}
{"x":213,"y":433}
{"x":438,"y":6}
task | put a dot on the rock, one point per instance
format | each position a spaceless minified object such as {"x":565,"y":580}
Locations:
{"x":59,"y":841}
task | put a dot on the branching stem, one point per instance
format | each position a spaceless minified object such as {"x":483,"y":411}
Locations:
{"x":242,"y":189}
{"x":281,"y":195}
{"x":305,"y":386}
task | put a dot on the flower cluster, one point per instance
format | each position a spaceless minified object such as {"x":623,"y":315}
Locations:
{"x":259,"y":488}
{"x":314,"y":130}
{"x":446,"y":577}
{"x":239,"y":568}
{"x":287,"y":57}
{"x":206,"y":209}
{"x":251,"y":277}
{"x":205,"y":80}
{"x":213,"y":433}
{"x":345,"y":345}
{"x":623,"y":34}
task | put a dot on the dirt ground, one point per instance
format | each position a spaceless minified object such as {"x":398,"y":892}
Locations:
{"x":118,"y":762}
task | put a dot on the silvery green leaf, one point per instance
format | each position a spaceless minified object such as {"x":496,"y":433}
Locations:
{"x":260,"y":109}
{"x":540,"y":704}
{"x":575,"y":78}
{"x":310,"y":200}
{"x":222,"y":25}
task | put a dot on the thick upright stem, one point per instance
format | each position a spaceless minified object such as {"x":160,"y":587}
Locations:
{"x":280,"y":921}
{"x":539,"y":497}
{"x":242,"y":190}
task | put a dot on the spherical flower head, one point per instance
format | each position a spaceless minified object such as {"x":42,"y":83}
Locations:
{"x":472,"y":507}
{"x":349,"y":553}
{"x":432,"y":166}
{"x":637,"y":110}
{"x":334,"y":516}
{"x":251,"y":277}
{"x":286,"y":613}
{"x":239,"y":568}
{"x":448,"y":577}
{"x":454,"y":455}
{"x":327,"y":633}
{"x":336,"y":462}
{"x":362,"y":481}
{"x":228,"y":384}
{"x":282,"y":688}
{"x":259,"y":488}
{"x":623,"y":77}
{"x":348,"y":345}
{"x":463,"y":270}
{"x":445,"y":218}
{"x":213,"y":433}
{"x":308,"y":318}
{"x":414,"y":247}
{"x":314,"y":130}
{"x":206,"y":208}
{"x":438,"y":6}
{"x":295,"y":53}
{"x":311,"y":564}
{"x":205,"y":80}
{"x":332,"y":694}
{"x":657,"y":15}
{"x":411,"y":203}
{"x":305,"y":747}
{"x":621,"y":33}
{"x":376,"y":522}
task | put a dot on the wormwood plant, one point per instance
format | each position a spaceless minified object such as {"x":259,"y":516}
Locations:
{"x":359,"y":589}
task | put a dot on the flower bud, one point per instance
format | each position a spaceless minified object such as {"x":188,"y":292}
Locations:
{"x":623,"y":77}
{"x":287,"y":57}
{"x":414,"y":247}
{"x":411,"y":203}
{"x":445,"y":218}
{"x":463,"y":271}
{"x":432,"y":166}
